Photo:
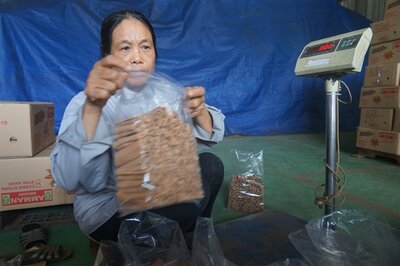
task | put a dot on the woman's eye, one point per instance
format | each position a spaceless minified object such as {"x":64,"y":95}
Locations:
{"x":146,"y":47}
{"x":125,"y":48}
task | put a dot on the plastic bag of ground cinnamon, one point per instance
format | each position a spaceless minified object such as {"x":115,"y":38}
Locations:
{"x":246,"y":190}
{"x":155,"y":153}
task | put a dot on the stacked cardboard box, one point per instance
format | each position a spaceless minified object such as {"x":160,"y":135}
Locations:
{"x":26,"y":141}
{"x":379,"y":128}
{"x":392,"y":9}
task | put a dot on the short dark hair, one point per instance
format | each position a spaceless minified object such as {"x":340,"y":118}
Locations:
{"x":113,"y":20}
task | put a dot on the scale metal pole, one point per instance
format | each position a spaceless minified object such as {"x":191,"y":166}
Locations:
{"x":332,"y":91}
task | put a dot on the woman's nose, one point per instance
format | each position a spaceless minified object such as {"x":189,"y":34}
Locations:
{"x":136,"y":57}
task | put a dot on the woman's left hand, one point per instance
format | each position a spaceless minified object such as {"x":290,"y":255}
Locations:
{"x":196,"y":100}
{"x":197,"y":107}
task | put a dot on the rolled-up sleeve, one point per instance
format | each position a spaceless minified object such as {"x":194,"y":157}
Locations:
{"x":79,"y":163}
{"x":218,"y":130}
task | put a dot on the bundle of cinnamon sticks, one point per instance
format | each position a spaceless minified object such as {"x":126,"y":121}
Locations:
{"x":156,"y":161}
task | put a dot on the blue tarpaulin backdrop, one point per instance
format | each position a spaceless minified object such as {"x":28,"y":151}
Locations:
{"x":243,"y":52}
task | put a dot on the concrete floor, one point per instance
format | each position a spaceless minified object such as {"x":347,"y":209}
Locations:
{"x":294,"y":170}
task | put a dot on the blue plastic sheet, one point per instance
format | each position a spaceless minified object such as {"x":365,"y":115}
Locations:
{"x":243,"y":53}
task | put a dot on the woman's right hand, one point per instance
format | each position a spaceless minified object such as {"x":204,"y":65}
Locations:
{"x":105,"y":79}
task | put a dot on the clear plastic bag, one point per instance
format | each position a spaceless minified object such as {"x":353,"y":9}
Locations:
{"x":347,"y":237}
{"x":144,"y":92}
{"x":110,"y":254}
{"x":206,"y":249}
{"x":246,"y":192}
{"x":155,"y":153}
{"x":150,"y":239}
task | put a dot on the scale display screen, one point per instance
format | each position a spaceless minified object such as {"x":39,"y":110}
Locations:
{"x":336,"y":55}
{"x":331,"y":46}
{"x":322,"y":48}
{"x":349,"y":42}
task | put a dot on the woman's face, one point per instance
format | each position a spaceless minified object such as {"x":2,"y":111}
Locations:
{"x":132,"y":41}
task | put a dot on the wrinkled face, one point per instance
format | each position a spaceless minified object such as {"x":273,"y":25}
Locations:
{"x":132,"y":41}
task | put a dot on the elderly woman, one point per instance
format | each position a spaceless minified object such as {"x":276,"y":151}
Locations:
{"x":82,"y":158}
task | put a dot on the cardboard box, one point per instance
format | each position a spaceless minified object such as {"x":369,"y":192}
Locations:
{"x":382,"y":75}
{"x":396,"y":120}
{"x":69,"y":197}
{"x":27,"y":183}
{"x":392,"y":9}
{"x":388,"y":52}
{"x":377,"y":118}
{"x":25,"y":128}
{"x":380,"y":97}
{"x":378,"y":140}
{"x":385,"y":30}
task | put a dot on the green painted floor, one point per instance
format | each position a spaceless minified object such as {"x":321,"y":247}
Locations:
{"x":293,"y":168}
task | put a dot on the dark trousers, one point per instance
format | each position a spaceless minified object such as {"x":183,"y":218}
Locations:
{"x":185,"y":214}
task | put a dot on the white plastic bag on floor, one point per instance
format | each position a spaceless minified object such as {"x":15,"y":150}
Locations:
{"x":150,"y":239}
{"x":110,"y":254}
{"x":346,"y":237}
{"x":206,"y":250}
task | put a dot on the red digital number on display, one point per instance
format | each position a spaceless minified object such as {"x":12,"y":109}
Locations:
{"x":326,"y":47}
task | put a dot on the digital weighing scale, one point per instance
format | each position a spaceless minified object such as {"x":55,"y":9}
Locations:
{"x":329,"y":59}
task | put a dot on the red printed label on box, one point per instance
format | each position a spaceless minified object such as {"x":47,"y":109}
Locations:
{"x":392,"y":91}
{"x":22,"y":185}
{"x":387,"y":136}
{"x":26,"y":197}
